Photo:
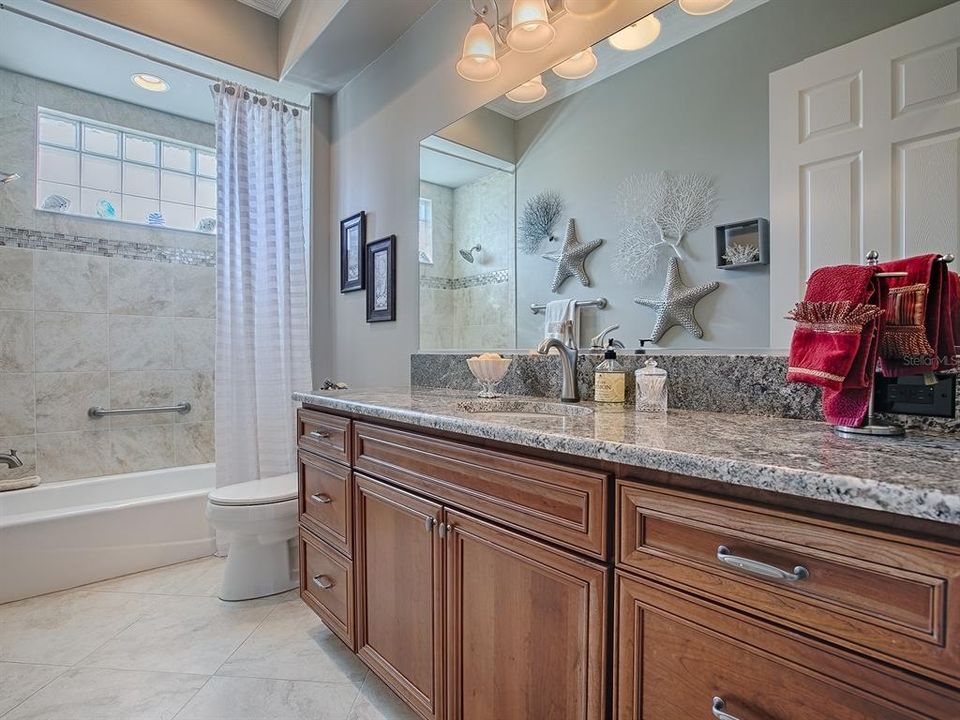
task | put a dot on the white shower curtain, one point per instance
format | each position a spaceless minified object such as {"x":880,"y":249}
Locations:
{"x":262,"y":324}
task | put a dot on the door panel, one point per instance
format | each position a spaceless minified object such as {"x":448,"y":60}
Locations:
{"x":399,"y":572}
{"x":525,"y":627}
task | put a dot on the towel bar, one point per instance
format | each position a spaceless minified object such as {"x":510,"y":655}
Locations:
{"x":600,"y":303}
{"x":182,"y":408}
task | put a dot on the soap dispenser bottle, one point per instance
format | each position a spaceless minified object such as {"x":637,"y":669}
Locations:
{"x":609,"y":378}
{"x":651,"y":387}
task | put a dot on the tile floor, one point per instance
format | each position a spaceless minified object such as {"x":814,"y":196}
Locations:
{"x":159,"y":645}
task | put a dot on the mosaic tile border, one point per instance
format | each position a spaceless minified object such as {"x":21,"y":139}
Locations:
{"x":441,"y":283}
{"x":80,"y":244}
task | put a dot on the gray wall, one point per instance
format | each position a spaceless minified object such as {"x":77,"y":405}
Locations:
{"x":98,"y":313}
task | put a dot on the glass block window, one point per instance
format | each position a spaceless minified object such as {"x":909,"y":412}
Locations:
{"x":425,"y":222}
{"x":112,"y":173}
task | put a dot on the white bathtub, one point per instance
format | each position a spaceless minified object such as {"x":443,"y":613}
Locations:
{"x":61,"y":535}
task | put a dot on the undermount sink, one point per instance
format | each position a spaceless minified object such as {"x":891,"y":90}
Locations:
{"x":523,"y":409}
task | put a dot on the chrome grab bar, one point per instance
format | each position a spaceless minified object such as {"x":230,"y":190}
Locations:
{"x":718,"y":707}
{"x":761,"y":568}
{"x":98,"y":412}
{"x":600,"y":302}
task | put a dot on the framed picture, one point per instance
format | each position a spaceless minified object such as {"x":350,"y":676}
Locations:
{"x":381,"y":271}
{"x":353,"y":237}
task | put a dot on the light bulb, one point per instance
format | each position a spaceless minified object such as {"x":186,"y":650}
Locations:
{"x":530,"y":28}
{"x":577,"y":66}
{"x":702,"y":7}
{"x":479,"y":59}
{"x":150,"y":82}
{"x":586,"y":7}
{"x":636,"y":36}
{"x":531,"y":91}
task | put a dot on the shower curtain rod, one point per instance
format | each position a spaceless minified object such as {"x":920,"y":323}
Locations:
{"x":145,"y":56}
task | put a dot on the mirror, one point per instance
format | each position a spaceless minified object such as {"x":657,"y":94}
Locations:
{"x":664,"y":145}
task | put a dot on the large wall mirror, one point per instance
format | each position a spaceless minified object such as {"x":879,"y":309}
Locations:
{"x":734,"y":147}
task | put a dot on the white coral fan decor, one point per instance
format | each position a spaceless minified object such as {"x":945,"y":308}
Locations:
{"x":656,"y":211}
{"x":537,"y":221}
{"x":738,"y":254}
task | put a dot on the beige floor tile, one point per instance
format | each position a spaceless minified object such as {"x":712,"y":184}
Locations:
{"x":182,"y":634}
{"x":224,"y":698}
{"x":95,"y":694}
{"x":19,"y":681}
{"x":196,"y":577}
{"x":63,"y":628}
{"x":292,"y":644}
{"x":378,"y":702}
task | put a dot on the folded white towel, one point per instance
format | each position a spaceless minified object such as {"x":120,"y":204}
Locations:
{"x":556,"y":314}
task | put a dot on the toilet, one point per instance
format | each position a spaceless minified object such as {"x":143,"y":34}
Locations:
{"x":259,"y":520}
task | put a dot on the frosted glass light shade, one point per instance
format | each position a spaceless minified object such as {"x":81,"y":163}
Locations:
{"x":478,"y":61}
{"x":703,"y":7}
{"x":637,"y":36}
{"x":530,"y":28}
{"x":150,"y":82}
{"x":531,"y":91}
{"x":586,"y":7}
{"x":577,"y":66}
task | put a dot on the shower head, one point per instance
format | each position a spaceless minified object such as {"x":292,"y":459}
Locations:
{"x":468,"y":254}
{"x":7,"y":178}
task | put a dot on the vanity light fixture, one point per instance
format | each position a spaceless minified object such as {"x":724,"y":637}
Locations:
{"x":530,"y":28}
{"x":702,"y":7}
{"x":150,"y":82}
{"x":478,"y":61}
{"x":637,"y":36}
{"x":585,"y":8}
{"x":577,"y":66}
{"x":531,"y":91}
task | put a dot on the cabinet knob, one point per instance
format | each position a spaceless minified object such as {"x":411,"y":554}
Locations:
{"x":755,"y":567}
{"x":429,"y":522}
{"x":324,"y":582}
{"x":319,"y":435}
{"x":321,"y":498}
{"x":718,"y":713}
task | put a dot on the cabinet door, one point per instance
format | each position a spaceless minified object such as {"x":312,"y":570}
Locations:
{"x":525,"y":627}
{"x":399,"y":571}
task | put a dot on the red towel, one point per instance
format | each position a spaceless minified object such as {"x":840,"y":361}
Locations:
{"x":836,"y":339}
{"x":918,"y":333}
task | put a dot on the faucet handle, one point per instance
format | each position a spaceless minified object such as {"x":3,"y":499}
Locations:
{"x":13,"y":453}
{"x":597,"y":342}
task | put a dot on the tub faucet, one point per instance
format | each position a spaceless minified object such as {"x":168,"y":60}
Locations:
{"x":568,"y":361}
{"x":11,"y":459}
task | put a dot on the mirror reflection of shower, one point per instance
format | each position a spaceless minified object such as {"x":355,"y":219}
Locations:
{"x":468,"y":254}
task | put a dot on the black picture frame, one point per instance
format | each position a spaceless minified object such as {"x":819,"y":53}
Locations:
{"x":352,"y":277}
{"x":380,"y":265}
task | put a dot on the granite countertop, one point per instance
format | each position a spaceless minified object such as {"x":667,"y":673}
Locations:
{"x":917,"y":476}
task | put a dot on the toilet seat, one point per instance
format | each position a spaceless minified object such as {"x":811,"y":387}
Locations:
{"x":265,"y":491}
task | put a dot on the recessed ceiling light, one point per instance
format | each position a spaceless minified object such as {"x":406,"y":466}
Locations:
{"x":703,"y":7}
{"x":150,"y":82}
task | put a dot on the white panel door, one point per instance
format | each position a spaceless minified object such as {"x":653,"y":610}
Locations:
{"x":864,"y":155}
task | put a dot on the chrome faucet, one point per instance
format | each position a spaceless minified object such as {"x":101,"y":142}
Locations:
{"x":568,"y":361}
{"x":11,"y":459}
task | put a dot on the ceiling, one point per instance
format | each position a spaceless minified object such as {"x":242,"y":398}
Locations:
{"x":444,"y":162}
{"x":676,"y":27}
{"x":270,"y":7}
{"x":25,"y":47}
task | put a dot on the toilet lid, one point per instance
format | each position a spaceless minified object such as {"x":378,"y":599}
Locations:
{"x":257,"y":492}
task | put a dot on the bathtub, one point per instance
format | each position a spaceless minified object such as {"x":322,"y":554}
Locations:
{"x":64,"y":534}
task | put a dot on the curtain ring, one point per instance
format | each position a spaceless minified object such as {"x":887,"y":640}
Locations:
{"x":263,"y":101}
{"x":231,"y":90}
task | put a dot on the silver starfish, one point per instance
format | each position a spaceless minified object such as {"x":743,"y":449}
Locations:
{"x":676,"y":304}
{"x":571,"y":258}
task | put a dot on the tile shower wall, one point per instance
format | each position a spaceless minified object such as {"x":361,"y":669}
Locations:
{"x":464,"y":305}
{"x":98,"y":313}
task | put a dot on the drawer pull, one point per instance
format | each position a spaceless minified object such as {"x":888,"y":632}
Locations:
{"x":428,"y":523}
{"x":760,"y":568}
{"x":321,"y":498}
{"x":718,"y":713}
{"x":319,"y":435}
{"x":323,"y":582}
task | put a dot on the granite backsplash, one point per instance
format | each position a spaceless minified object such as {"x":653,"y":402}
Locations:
{"x":737,"y":384}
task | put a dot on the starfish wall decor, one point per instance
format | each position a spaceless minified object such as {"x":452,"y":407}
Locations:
{"x":571,"y":258}
{"x":676,"y":304}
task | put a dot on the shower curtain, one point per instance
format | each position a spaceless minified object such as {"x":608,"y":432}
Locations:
{"x":262,"y":324}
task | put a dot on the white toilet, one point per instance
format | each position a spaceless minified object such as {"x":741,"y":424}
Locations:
{"x":259,"y":520}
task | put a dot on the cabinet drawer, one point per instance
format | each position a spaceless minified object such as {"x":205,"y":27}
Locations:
{"x":677,"y":655}
{"x":326,"y":501}
{"x":324,"y":434}
{"x":878,"y":593}
{"x":326,"y":585}
{"x":565,"y":504}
